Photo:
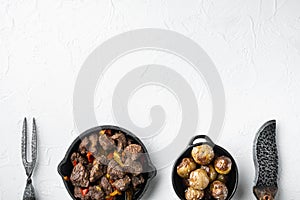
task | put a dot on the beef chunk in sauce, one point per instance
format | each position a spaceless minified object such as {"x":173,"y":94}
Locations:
{"x":132,"y":166}
{"x":77,"y":192}
{"x":80,"y":176}
{"x":77,"y":158}
{"x":89,"y":144}
{"x":122,"y":184}
{"x":105,"y":185}
{"x":93,"y":143}
{"x":84,"y":146}
{"x":97,"y":171}
{"x":133,"y":151}
{"x":102,"y":159}
{"x":106,"y":142}
{"x":121,"y":141}
{"x":137,"y":180}
{"x":114,"y":170}
{"x":96,"y":193}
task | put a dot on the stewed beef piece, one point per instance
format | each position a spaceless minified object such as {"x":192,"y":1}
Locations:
{"x":77,"y":158}
{"x":90,"y":193}
{"x":133,"y":167}
{"x":96,"y":193}
{"x":122,"y":184}
{"x":105,"y":185}
{"x":80,"y":176}
{"x":133,"y":151}
{"x":102,"y":159}
{"x":83,"y":147}
{"x":93,"y":139}
{"x":121,"y":141}
{"x":89,"y":144}
{"x":77,"y":192}
{"x":114,"y":170}
{"x":137,"y":180}
{"x":97,"y":171}
{"x":106,"y":142}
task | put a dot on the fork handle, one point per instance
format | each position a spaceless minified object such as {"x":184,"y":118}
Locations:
{"x":29,"y":190}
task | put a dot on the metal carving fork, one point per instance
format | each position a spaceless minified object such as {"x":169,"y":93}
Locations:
{"x":29,"y":166}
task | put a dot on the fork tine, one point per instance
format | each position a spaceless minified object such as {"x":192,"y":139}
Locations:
{"x":24,"y":142}
{"x":34,"y":143}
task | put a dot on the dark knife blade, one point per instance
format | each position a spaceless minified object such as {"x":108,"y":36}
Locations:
{"x":266,"y":162}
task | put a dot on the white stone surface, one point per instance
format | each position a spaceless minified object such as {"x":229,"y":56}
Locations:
{"x":255,"y":46}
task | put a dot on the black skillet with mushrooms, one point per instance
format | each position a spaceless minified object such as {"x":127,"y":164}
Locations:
{"x":204,"y":171}
{"x":201,"y":178}
{"x":108,"y":164}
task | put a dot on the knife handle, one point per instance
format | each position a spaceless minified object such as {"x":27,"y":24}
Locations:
{"x":204,"y":137}
{"x":264,"y":193}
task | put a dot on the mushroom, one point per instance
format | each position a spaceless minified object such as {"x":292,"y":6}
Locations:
{"x":198,"y":179}
{"x":193,"y":194}
{"x":211,"y":172}
{"x":218,"y":190}
{"x":203,"y":154}
{"x":185,"y":167}
{"x":222,"y":165}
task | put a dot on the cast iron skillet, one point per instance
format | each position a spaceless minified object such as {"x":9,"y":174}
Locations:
{"x":177,"y":181}
{"x":65,"y":167}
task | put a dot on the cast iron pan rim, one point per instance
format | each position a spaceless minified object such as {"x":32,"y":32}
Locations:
{"x":189,"y":148}
{"x":151,"y":174}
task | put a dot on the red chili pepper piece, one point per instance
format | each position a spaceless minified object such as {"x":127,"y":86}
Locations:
{"x":90,"y":157}
{"x":84,"y":191}
{"x":74,"y":163}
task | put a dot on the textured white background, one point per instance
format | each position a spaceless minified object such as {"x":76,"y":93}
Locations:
{"x":254,"y":44}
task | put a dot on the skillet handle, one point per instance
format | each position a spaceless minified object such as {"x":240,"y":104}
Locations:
{"x":204,"y":137}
